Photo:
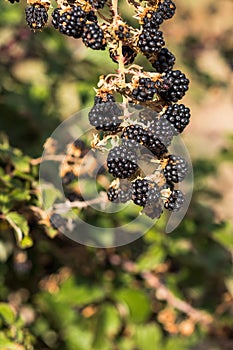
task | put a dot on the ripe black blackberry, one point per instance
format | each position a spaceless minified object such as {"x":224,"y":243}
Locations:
{"x":165,"y":61}
{"x":150,"y":41}
{"x":145,"y":90}
{"x":127,"y":52}
{"x":135,"y":133}
{"x":176,"y":169}
{"x":178,"y":116}
{"x":156,"y":146}
{"x":122,"y":162}
{"x":163,"y":130}
{"x":36,"y":16}
{"x":153,"y":19}
{"x":118,"y":195}
{"x":153,"y":195}
{"x":105,"y":115}
{"x":93,"y":36}
{"x":70,"y":21}
{"x":97,"y":4}
{"x":167,"y":9}
{"x":57,"y":221}
{"x":140,"y":191}
{"x":173,"y":85}
{"x":175,"y":201}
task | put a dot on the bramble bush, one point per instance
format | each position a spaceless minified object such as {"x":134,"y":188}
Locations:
{"x":166,"y":291}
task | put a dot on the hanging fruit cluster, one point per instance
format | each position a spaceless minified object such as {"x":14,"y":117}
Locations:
{"x":154,"y":95}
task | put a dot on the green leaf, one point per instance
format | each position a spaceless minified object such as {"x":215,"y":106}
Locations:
{"x":148,"y":337}
{"x":7,"y":313}
{"x":137,"y":302}
{"x":151,"y":259}
{"x":19,"y":224}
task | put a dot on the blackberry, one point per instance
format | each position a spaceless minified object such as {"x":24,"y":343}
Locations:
{"x":165,"y":61}
{"x":153,"y":212}
{"x":153,"y":195}
{"x":105,"y":115}
{"x":135,"y":133}
{"x":178,"y":116}
{"x":118,"y":195}
{"x":156,"y":146}
{"x":57,"y":221}
{"x":163,"y":130}
{"x":36,"y":16}
{"x":104,"y":97}
{"x":140,"y":191}
{"x":153,"y":19}
{"x":175,"y":201}
{"x":176,"y":169}
{"x":112,"y":194}
{"x":122,"y":162}
{"x":70,"y":21}
{"x":173,"y":86}
{"x":167,"y":9}
{"x":150,"y":40}
{"x":93,"y":36}
{"x":91,"y":16}
{"x":145,"y":90}
{"x":97,"y":4}
{"x":128,"y":54}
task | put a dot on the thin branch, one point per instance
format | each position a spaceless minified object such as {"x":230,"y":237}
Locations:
{"x":163,"y":293}
{"x":102,"y":199}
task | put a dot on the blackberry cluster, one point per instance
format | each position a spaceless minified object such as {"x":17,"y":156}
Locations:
{"x":140,"y":192}
{"x":145,"y":90}
{"x":105,"y":114}
{"x":36,"y":16}
{"x":165,"y":61}
{"x":176,"y":169}
{"x":93,"y":36}
{"x":150,"y":41}
{"x":152,"y":19}
{"x":127,"y":52}
{"x":97,"y":4}
{"x":122,"y":162}
{"x":173,"y":86}
{"x":134,"y":134}
{"x":163,"y":130}
{"x":70,"y":21}
{"x":178,"y":116}
{"x":155,"y":145}
{"x":167,"y":9}
{"x":119,"y":195}
{"x":145,"y":193}
{"x":175,"y":201}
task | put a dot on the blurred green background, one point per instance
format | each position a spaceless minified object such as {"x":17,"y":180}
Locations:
{"x":56,"y":294}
